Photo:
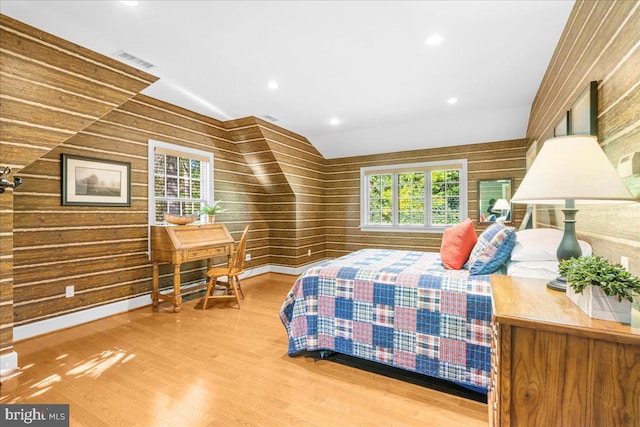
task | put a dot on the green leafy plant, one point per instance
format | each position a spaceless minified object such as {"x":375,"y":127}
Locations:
{"x":612,"y":278}
{"x":212,"y":209}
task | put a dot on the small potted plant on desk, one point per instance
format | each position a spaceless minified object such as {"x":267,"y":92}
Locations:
{"x":211,"y":211}
{"x":602,"y":289}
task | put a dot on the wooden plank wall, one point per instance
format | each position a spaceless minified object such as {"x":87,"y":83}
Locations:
{"x":103,"y":251}
{"x":292,"y":170}
{"x":496,"y":160}
{"x":6,"y":271}
{"x":304,"y":168}
{"x":49,"y":90}
{"x":52,"y":88}
{"x":601,"y":42}
{"x":265,"y":168}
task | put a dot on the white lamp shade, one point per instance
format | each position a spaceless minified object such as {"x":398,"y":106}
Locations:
{"x":572,"y":168}
{"x":502,"y":205}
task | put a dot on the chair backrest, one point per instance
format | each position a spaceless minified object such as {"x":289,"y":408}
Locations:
{"x":237,"y":262}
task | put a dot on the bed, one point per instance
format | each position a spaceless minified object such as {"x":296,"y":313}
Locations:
{"x":399,"y":308}
{"x":535,"y":253}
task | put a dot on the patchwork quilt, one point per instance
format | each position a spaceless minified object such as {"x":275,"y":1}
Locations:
{"x":399,"y":308}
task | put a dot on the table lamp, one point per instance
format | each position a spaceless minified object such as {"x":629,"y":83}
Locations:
{"x":503,"y":206}
{"x":571,"y":170}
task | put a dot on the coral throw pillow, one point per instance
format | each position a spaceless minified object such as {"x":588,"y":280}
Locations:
{"x":457,"y":243}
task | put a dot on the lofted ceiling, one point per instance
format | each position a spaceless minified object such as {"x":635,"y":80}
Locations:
{"x":364,"y":63}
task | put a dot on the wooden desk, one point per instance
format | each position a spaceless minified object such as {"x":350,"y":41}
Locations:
{"x":177,"y":244}
{"x":553,"y":365}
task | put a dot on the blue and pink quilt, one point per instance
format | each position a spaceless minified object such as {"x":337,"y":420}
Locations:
{"x":400,"y":308}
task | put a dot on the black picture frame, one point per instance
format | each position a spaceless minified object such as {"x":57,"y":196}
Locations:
{"x":89,"y":181}
{"x":583,"y":115}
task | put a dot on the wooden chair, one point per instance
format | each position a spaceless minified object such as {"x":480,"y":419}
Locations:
{"x":232,"y":271}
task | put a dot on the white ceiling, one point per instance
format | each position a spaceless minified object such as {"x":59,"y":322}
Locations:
{"x":364,"y":62}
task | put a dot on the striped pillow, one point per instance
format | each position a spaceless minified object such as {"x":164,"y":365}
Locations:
{"x":492,"y":249}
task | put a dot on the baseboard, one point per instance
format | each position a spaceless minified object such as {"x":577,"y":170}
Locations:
{"x":8,"y":364}
{"x":73,"y":319}
{"x":64,"y":321}
{"x":294,"y":271}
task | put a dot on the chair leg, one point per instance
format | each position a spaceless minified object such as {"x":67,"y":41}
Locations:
{"x":211,"y":287}
{"x":232,"y":284}
{"x":239,"y":287}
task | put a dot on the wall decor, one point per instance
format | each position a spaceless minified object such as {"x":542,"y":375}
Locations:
{"x":95,"y":182}
{"x":494,"y":200}
{"x":583,"y":117}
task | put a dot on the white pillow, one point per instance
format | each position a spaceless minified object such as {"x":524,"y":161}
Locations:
{"x":535,"y":269}
{"x":541,"y":244}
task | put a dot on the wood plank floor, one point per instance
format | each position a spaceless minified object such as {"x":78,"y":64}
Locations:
{"x":218,"y":367}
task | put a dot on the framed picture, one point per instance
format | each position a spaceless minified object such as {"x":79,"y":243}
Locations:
{"x":494,"y":200}
{"x":562,"y":128}
{"x":95,"y":182}
{"x":583,"y":117}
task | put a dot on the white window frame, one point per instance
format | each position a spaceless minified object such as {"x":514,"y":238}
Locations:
{"x":178,"y":149}
{"x":460,"y":164}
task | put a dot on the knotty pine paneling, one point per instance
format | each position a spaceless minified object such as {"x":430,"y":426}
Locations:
{"x":102,"y":251}
{"x":495,"y":160}
{"x":601,"y":42}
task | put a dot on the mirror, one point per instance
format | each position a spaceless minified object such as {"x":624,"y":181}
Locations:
{"x":494,"y":200}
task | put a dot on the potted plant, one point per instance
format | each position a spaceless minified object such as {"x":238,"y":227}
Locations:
{"x":212,"y":210}
{"x":602,"y":289}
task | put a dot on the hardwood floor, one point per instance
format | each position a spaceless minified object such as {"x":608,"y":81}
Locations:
{"x":218,"y":367}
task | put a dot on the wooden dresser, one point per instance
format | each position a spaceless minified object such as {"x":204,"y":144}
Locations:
{"x":177,"y":244}
{"x":552,"y":365}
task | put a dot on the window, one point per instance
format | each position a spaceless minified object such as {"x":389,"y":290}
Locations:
{"x":413,"y":197}
{"x":180,"y":180}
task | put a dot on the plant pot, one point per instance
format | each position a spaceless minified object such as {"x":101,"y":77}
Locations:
{"x":211,"y":219}
{"x":599,"y":305}
{"x":635,"y":311}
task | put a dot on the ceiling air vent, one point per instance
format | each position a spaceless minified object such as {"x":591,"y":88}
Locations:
{"x":134,"y":60}
{"x":270,"y":118}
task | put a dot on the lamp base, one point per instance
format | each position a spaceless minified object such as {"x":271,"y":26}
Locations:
{"x":558,"y":284}
{"x":569,"y":246}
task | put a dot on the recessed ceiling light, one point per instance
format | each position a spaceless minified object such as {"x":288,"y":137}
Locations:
{"x":334,"y":122}
{"x":452,"y":100}
{"x":129,"y":3}
{"x":273,"y":85}
{"x":433,"y":40}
